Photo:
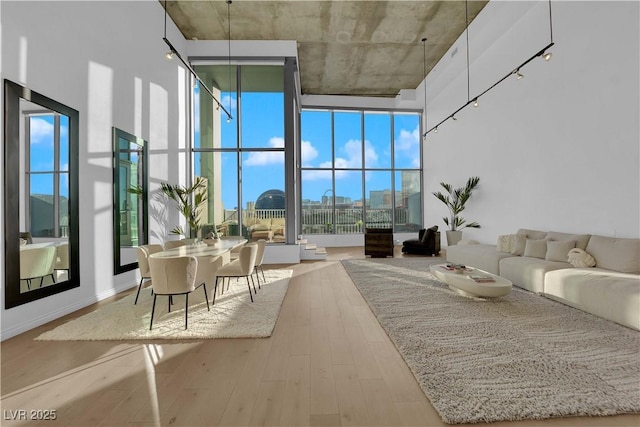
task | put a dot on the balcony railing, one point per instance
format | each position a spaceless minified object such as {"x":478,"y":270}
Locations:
{"x":321,"y":220}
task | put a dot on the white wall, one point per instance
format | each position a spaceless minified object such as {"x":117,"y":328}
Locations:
{"x":106,"y":60}
{"x":557,"y":150}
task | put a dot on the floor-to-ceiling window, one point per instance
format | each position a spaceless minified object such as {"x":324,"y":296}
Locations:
{"x":242,"y":158}
{"x":360,"y":169}
{"x":47,"y":174}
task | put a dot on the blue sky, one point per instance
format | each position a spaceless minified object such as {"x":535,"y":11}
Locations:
{"x":262,"y":127}
{"x":42,"y":153}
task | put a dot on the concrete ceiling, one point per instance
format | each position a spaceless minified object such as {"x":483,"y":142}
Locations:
{"x":365,"y":48}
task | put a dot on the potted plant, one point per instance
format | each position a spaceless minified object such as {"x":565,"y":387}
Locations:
{"x":455,"y":200}
{"x":189,"y":202}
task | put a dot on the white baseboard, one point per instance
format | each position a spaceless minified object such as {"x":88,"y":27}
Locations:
{"x":62,"y":311}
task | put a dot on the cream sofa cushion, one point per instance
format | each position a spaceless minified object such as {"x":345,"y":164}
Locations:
{"x":519,"y":243}
{"x":532,"y":234}
{"x":507,"y":242}
{"x":559,"y":250}
{"x":535,"y":248}
{"x":608,"y":294}
{"x":616,"y":254}
{"x":580,"y":240}
{"x":527,"y":272}
{"x":484,"y":257}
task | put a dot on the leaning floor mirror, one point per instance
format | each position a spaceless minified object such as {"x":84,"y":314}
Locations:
{"x":40,"y":196}
{"x":130,"y":199}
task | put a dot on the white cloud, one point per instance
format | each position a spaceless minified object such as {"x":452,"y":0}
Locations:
{"x":352,"y":158}
{"x":353,"y":155}
{"x":370,"y":155}
{"x":309,"y":152}
{"x":316,"y":175}
{"x":225,"y":100}
{"x":264,"y":158}
{"x":408,"y":141}
{"x":41,"y":131}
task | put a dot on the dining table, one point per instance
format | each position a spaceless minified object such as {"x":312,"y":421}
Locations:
{"x":210,"y":257}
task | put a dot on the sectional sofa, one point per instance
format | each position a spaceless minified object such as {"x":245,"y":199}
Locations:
{"x":538,"y":261}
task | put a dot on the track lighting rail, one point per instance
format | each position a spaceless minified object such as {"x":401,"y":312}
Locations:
{"x":541,"y":53}
{"x":195,"y":76}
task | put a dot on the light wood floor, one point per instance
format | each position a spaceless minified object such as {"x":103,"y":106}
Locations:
{"x":328,"y":363}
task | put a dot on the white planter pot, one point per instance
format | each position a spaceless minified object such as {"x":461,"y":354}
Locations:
{"x":453,"y":237}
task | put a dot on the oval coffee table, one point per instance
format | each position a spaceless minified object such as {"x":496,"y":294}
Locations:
{"x":462,"y":283}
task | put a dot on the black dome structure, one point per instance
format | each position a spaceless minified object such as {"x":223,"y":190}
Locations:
{"x":271,"y":199}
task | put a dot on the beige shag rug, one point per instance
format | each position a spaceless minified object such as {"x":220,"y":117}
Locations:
{"x":518,"y":357}
{"x":232,"y":316}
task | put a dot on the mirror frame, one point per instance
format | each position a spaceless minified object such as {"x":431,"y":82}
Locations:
{"x":12,"y":198}
{"x":118,"y":268}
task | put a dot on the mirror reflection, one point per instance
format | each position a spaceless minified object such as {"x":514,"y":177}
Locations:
{"x":40,"y":196}
{"x":130,"y":198}
{"x":44,"y":197}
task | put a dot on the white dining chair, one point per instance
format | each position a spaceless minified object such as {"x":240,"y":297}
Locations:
{"x":175,"y":276}
{"x":143,"y":253}
{"x":243,"y":266}
{"x":259,"y":260}
{"x":37,"y":263}
{"x":62,"y":257}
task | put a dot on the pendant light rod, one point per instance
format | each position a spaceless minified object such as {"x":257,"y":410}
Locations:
{"x":424,"y":65}
{"x":541,"y":52}
{"x":466,"y":24}
{"x":544,"y":53}
{"x":195,"y":75}
{"x":229,"y":50}
{"x":550,"y":24}
{"x":174,"y":51}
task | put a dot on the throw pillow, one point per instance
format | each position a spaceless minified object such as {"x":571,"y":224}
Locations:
{"x":558,"y":250}
{"x":507,"y":242}
{"x":503,"y":244}
{"x":579,"y":258}
{"x":535,"y":248}
{"x":519,"y":242}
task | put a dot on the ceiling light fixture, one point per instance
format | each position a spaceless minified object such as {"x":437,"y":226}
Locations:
{"x":173,"y":51}
{"x":169,"y":55}
{"x":544,"y":53}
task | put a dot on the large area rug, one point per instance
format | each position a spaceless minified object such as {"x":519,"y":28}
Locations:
{"x":518,"y":357}
{"x":232,"y":316}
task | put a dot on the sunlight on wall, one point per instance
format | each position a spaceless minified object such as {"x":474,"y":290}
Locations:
{"x":158,"y":119}
{"x":137,"y":106}
{"x":23,"y":60}
{"x":159,"y":158}
{"x":99,"y":162}
{"x":100,"y":113}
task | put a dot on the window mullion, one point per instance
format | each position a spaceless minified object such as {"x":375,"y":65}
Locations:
{"x":56,"y":175}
